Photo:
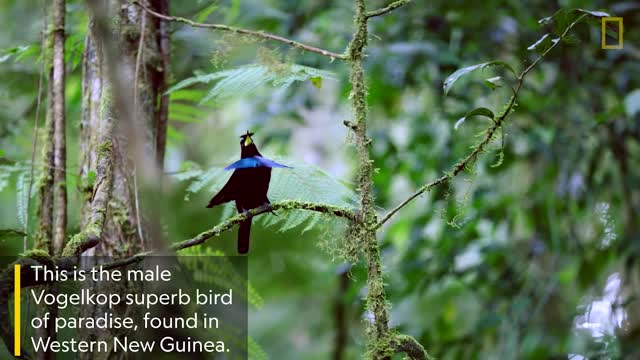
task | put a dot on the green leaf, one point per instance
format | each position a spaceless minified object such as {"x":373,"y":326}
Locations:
{"x":1,"y":152}
{"x":500,"y":159}
{"x":206,"y":78}
{"x":448,"y":83}
{"x":565,"y":19}
{"x":303,"y":182}
{"x":543,"y":44}
{"x":203,"y":14}
{"x":632,"y":103}
{"x":174,"y":134}
{"x":16,"y":51}
{"x":10,"y":233}
{"x":192,"y":95}
{"x":247,"y":79}
{"x":233,"y":11}
{"x":91,"y":177}
{"x":597,"y":14}
{"x":255,"y":350}
{"x":494,"y":82}
{"x":190,"y":112}
{"x":316,"y":81}
{"x":482,"y":111}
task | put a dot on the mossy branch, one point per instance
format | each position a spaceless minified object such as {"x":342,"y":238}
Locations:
{"x":287,"y":205}
{"x":410,"y":346}
{"x":394,"y":5}
{"x":258,"y":34}
{"x":90,"y":236}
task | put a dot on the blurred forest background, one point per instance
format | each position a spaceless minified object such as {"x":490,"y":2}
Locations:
{"x":531,"y":254}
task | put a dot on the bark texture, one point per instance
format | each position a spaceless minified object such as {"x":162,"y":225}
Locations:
{"x":58,"y":111}
{"x":136,"y":72}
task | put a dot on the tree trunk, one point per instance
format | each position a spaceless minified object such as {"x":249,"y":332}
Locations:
{"x":141,"y":69}
{"x":60,"y":147}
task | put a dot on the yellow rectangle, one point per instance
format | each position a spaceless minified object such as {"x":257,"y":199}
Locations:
{"x":16,"y":310}
{"x":604,"y":32}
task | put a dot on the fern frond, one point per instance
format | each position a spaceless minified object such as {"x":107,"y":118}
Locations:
{"x":255,"y":350}
{"x":22,"y":193}
{"x":247,"y":79}
{"x":220,"y":273}
{"x":303,"y":182}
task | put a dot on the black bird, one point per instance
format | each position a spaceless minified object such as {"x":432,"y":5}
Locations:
{"x":247,"y":186}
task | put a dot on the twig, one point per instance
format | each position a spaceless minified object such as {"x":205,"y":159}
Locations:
{"x":139,"y":55}
{"x":387,"y":9}
{"x":162,"y":113}
{"x":259,"y":34}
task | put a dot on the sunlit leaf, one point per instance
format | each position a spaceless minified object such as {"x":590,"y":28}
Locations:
{"x":11,"y":233}
{"x":7,"y":54}
{"x":565,"y":19}
{"x":247,"y":79}
{"x":475,"y":112}
{"x":543,"y":44}
{"x":494,"y":82}
{"x":302,"y":182}
{"x":316,"y":81}
{"x":448,"y":83}
{"x":203,"y":14}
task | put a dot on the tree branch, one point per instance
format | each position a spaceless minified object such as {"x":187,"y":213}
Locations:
{"x":90,"y":236}
{"x":258,"y":34}
{"x":394,"y":5}
{"x":461,"y":165}
{"x":364,"y":227}
{"x":410,"y":346}
{"x":286,"y":205}
{"x":162,"y":112}
{"x":491,"y":132}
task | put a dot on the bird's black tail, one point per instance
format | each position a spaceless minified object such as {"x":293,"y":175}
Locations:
{"x":244,"y":234}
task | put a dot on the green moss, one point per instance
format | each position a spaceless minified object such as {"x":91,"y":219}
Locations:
{"x":74,"y":244}
{"x":105,"y":102}
{"x":121,"y":217}
{"x":105,"y":148}
{"x":81,"y":239}
{"x":395,"y":343}
{"x":40,"y":256}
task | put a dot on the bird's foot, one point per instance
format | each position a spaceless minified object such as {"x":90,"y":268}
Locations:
{"x":270,"y":209}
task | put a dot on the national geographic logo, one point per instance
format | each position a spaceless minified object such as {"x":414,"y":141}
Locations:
{"x":619,"y":31}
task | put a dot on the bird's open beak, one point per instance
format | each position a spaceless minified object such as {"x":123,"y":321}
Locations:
{"x":248,"y":141}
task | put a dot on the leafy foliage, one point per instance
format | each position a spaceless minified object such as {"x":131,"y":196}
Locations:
{"x":303,"y":182}
{"x":247,"y":79}
{"x":448,"y":83}
{"x":222,"y":274}
{"x":21,"y":172}
{"x":475,"y":112}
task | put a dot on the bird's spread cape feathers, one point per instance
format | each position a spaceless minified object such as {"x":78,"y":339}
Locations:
{"x":254,"y":162}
